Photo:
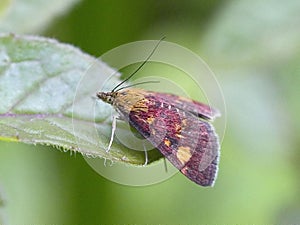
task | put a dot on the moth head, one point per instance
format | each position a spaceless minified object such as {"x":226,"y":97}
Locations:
{"x":107,"y":97}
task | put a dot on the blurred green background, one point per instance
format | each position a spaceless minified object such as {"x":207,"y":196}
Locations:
{"x":254,"y":49}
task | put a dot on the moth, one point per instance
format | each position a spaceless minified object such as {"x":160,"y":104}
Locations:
{"x":178,"y":127}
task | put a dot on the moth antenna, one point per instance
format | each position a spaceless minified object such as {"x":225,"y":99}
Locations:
{"x":132,"y":85}
{"x":146,"y":60}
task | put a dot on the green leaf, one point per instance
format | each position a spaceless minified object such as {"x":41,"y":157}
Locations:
{"x":30,"y":16}
{"x":46,"y":97}
{"x":1,"y":207}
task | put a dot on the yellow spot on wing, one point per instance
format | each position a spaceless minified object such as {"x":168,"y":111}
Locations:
{"x":184,"y":122}
{"x":183,"y":154}
{"x":178,"y":129}
{"x":179,"y":136}
{"x":150,"y":120}
{"x":167,"y":142}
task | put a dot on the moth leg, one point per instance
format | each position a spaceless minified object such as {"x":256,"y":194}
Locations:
{"x":113,"y":129}
{"x":146,"y":155}
{"x":165,"y":164}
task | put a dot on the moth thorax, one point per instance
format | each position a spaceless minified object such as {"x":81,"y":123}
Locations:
{"x":130,"y":100}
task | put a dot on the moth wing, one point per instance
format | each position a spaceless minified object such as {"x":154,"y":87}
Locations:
{"x":189,"y":143}
{"x":197,"y":108}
